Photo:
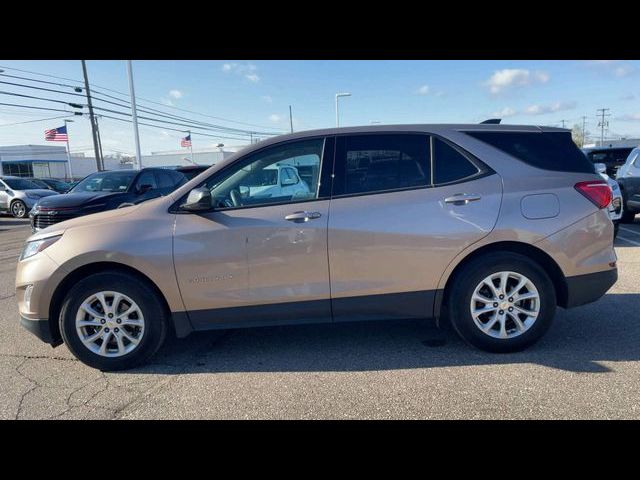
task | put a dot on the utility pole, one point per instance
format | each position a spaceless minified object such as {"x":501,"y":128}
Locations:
{"x":584,"y":129}
{"x":563,"y":123}
{"x":134,"y":112}
{"x":94,"y":127}
{"x":602,"y":112}
{"x":290,"y":119}
{"x":99,"y":144}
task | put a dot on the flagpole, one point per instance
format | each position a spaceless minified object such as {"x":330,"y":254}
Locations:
{"x":191,"y":145}
{"x":66,"y":126}
{"x":134,"y":112}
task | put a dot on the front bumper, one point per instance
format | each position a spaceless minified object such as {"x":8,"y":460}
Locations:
{"x":41,"y":328}
{"x":583,"y":289}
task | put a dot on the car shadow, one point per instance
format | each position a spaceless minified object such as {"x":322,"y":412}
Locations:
{"x":583,"y":339}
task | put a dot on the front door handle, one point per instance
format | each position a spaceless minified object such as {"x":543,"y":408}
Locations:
{"x":462,"y":198}
{"x":301,"y":217}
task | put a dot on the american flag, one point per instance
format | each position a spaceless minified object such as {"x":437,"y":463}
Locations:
{"x":186,"y":141}
{"x":56,"y":134}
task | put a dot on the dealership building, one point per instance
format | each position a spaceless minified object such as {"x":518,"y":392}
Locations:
{"x":45,"y":161}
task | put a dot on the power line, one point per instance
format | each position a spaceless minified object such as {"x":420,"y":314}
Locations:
{"x":126,"y":95}
{"x":173,"y":129}
{"x":33,"y":121}
{"x":149,"y":110}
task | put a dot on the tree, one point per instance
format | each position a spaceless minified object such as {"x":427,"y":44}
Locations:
{"x":578,"y":136}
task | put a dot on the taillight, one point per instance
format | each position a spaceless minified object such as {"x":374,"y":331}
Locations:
{"x":598,"y":191}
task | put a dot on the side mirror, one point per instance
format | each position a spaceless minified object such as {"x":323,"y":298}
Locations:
{"x":601,"y":168}
{"x":144,"y":188}
{"x":198,"y":200}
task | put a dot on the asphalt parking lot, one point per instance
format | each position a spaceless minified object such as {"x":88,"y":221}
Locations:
{"x":588,"y":366}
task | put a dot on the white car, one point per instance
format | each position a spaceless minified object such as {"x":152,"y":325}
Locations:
{"x":629,"y":179}
{"x":615,"y":207}
{"x":275,"y":181}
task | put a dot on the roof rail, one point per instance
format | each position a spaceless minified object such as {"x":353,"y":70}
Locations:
{"x":492,"y":121}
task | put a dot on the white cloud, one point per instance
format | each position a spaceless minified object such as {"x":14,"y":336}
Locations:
{"x":505,"y":112}
{"x":510,"y":77}
{"x":167,"y":102}
{"x":267,"y":98}
{"x":175,"y":94}
{"x":623,"y":70}
{"x":554,"y":107}
{"x":629,"y":117}
{"x":247,"y":70}
{"x":423,"y":90}
{"x":275,"y":117}
{"x":617,"y":68}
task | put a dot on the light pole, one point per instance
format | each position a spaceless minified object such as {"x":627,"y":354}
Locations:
{"x":134,"y":113}
{"x":66,"y":127}
{"x":338,"y":95}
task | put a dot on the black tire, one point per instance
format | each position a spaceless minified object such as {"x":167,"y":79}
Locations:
{"x":19,"y":209}
{"x":627,"y":217}
{"x":155,"y":315}
{"x":467,"y":279}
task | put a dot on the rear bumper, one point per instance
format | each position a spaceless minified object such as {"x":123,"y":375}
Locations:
{"x":41,"y":328}
{"x":583,"y":289}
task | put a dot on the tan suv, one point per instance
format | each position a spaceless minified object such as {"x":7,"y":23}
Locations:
{"x":490,"y":225}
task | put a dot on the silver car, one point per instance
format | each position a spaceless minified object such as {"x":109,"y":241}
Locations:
{"x":489,"y":226}
{"x":19,"y":195}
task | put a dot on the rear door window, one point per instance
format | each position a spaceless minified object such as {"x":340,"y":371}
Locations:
{"x":381,"y":162}
{"x":546,"y":150}
{"x":449,"y":165}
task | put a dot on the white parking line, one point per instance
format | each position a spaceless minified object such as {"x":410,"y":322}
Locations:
{"x":633,"y":242}
{"x":628,"y":230}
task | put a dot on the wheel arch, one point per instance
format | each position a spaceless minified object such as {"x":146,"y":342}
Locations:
{"x":83,"y":271}
{"x":539,"y":256}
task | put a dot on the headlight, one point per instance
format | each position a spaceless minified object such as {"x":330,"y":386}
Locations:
{"x":31,"y":248}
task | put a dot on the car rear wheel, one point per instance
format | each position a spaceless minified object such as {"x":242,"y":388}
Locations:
{"x":112,"y":321}
{"x":18,"y":209}
{"x":502,"y":302}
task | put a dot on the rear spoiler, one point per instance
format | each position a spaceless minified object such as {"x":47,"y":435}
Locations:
{"x":492,"y":121}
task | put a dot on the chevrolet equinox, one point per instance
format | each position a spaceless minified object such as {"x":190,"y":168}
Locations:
{"x":492,"y":226}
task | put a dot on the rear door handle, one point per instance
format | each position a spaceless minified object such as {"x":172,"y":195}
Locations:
{"x":462,"y":198}
{"x":301,"y":217}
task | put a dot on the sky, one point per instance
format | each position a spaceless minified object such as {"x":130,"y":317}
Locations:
{"x":255,"y":96}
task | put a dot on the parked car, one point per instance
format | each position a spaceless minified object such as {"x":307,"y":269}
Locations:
{"x":19,"y":195}
{"x":615,"y":208}
{"x":489,"y":226}
{"x":104,"y":191}
{"x":52,"y":184}
{"x":629,"y":180}
{"x":612,"y":157}
{"x":191,"y":171}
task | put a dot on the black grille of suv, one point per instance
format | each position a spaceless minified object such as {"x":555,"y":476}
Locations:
{"x":45,"y":219}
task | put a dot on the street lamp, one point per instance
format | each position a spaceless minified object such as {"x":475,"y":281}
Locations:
{"x":338,"y":95}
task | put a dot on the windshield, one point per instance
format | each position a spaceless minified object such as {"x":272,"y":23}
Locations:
{"x":20,"y":184}
{"x":105,"y":182}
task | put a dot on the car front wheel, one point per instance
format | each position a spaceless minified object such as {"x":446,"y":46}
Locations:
{"x":18,"y":209}
{"x":112,"y":321}
{"x":502,"y":302}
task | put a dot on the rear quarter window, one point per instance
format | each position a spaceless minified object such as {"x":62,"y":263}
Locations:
{"x":545,"y":150}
